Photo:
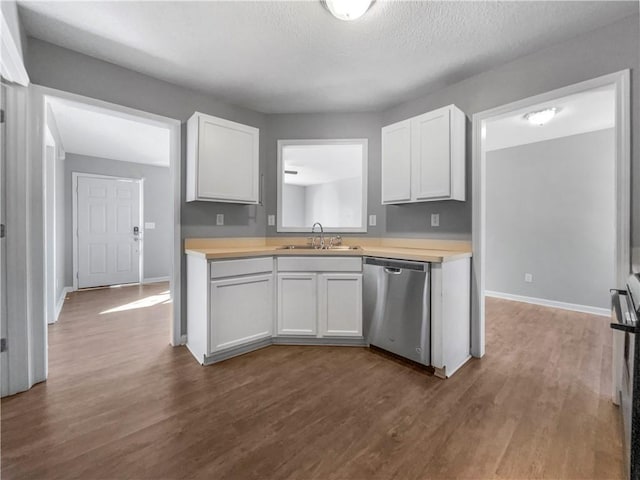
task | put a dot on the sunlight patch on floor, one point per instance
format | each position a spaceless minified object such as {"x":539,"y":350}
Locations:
{"x":146,"y":302}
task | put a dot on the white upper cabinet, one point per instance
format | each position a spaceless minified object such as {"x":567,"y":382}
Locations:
{"x":423,"y":158}
{"x":396,"y":163}
{"x":222,"y":160}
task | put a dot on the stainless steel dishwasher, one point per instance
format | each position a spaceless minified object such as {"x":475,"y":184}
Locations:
{"x":396,"y":307}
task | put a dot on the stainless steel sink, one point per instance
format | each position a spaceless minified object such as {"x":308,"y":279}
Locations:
{"x":309,"y":247}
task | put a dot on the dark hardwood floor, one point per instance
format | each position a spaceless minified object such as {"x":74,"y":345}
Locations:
{"x":121,"y":403}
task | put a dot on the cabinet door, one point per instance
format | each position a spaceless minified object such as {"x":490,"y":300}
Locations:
{"x":228,"y":161}
{"x":297,"y":304}
{"x":340,"y":309}
{"x":241,"y":311}
{"x":431,"y":155}
{"x":396,"y":162}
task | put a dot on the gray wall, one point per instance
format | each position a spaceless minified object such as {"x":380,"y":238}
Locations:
{"x":602,"y":51}
{"x":156,"y":205}
{"x":551,"y":213}
{"x":334,"y":203}
{"x":293,"y":204}
{"x":326,"y":126}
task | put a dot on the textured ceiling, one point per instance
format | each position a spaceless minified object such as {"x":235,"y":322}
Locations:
{"x":278,"y":57}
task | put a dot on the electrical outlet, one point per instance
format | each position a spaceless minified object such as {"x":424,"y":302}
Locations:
{"x":271,"y":220}
{"x":435,"y":219}
{"x":220,"y":219}
{"x":528,"y":278}
{"x":372,"y":220}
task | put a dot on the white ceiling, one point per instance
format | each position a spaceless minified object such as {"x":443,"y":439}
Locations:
{"x":96,"y":132}
{"x":318,"y":164}
{"x":293,"y":56}
{"x":580,"y":113}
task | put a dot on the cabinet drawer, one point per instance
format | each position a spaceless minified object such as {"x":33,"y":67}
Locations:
{"x":248,"y":266}
{"x":318,"y":264}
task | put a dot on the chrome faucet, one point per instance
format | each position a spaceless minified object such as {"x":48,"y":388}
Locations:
{"x":313,"y":231}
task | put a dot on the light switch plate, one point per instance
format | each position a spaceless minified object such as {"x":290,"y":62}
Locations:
{"x":528,"y":278}
{"x":220,"y":219}
{"x":372,"y":220}
{"x":149,"y":225}
{"x":271,"y":220}
{"x":435,"y":219}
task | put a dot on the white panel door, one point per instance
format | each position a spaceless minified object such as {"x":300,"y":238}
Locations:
{"x":340,"y":304}
{"x":396,"y":162}
{"x":297,"y":304}
{"x":228,"y":161}
{"x":431,"y":152}
{"x":108,"y":247}
{"x":241,"y":311}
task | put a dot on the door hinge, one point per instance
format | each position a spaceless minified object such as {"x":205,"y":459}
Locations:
{"x":3,"y":344}
{"x":2,"y":115}
{"x":2,"y":230}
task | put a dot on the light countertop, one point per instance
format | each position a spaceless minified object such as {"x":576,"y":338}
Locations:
{"x":424,"y":250}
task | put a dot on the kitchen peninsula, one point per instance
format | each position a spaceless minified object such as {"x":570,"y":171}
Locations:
{"x":247,"y":293}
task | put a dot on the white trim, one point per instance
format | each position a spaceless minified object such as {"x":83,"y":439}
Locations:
{"x":74,"y":220}
{"x":365,"y":166}
{"x":623,"y":186}
{"x":21,"y":359}
{"x":60,"y":302}
{"x":11,"y":63}
{"x":605,"y":312}
{"x":155,"y":280}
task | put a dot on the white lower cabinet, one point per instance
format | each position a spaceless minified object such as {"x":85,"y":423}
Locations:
{"x":340,"y":304}
{"x":297,"y":304}
{"x":241,"y":311}
{"x":229,"y":306}
{"x":322,"y":303}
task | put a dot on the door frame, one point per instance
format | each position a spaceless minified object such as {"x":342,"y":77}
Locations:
{"x":621,"y":82}
{"x":74,"y":209}
{"x":28,"y":328}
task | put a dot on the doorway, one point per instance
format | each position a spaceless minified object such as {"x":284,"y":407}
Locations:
{"x":108,"y":219}
{"x":620,"y":177}
{"x":41,"y":100}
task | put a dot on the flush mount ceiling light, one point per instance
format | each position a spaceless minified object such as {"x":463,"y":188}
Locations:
{"x":347,"y":9}
{"x":540,"y":117}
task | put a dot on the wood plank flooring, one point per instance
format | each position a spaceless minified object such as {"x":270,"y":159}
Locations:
{"x":121,"y":403}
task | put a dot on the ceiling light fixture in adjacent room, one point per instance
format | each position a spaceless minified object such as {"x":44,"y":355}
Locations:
{"x":540,"y":117}
{"x":347,"y":9}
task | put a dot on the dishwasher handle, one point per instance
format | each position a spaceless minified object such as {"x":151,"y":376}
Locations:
{"x":398,"y":265}
{"x":392,"y":270}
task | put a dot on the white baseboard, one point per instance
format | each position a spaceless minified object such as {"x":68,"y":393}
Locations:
{"x":605,"y":312}
{"x":60,"y":301}
{"x":155,"y":280}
